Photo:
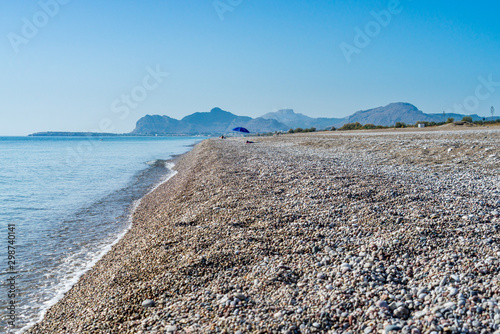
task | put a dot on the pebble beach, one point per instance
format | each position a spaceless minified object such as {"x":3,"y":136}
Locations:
{"x":327,"y":232}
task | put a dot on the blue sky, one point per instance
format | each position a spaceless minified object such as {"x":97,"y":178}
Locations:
{"x":69,"y":65}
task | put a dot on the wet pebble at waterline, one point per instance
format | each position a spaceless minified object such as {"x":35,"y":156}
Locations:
{"x":305,"y":234}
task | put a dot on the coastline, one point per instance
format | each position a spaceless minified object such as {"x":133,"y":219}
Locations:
{"x":281,"y":234}
{"x":101,"y":264}
{"x":169,"y":164}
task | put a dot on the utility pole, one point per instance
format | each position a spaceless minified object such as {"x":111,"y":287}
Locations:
{"x":444,"y":116}
{"x":492,"y":110}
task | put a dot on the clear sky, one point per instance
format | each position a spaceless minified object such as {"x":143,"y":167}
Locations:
{"x":73,"y":65}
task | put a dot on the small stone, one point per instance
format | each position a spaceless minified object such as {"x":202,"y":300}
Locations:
{"x":449,"y":306}
{"x":240,"y":296}
{"x":285,"y":267}
{"x":317,"y":325}
{"x":171,"y":329}
{"x":444,"y":281}
{"x":148,"y":303}
{"x":345,"y":267}
{"x":382,"y":304}
{"x":401,"y":312}
{"x":390,"y":328}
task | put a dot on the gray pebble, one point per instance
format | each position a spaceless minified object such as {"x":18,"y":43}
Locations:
{"x":148,"y":303}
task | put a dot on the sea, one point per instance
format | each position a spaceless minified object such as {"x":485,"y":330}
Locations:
{"x":64,"y":201}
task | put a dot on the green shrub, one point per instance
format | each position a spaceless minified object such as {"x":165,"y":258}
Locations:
{"x":351,"y":126}
{"x":400,"y":125}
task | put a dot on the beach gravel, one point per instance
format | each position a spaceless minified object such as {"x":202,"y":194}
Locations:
{"x":384,"y":232}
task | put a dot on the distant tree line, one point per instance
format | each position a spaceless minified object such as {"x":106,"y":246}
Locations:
{"x":359,"y":126}
{"x":369,"y":126}
{"x":299,"y":130}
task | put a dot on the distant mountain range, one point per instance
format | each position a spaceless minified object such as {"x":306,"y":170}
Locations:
{"x":218,"y":121}
{"x":295,"y":120}
{"x":390,"y":114}
{"x":400,"y":112}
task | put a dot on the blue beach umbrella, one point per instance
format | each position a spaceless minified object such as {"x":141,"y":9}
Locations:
{"x":240,"y":129}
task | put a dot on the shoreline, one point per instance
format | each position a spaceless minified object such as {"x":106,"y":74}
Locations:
{"x":169,"y":165}
{"x":271,"y":235}
{"x":173,"y":161}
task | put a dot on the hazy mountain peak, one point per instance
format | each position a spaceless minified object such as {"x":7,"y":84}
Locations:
{"x":218,"y":110}
{"x":392,"y":107}
{"x":285,"y":115}
{"x":389,"y":115}
{"x":297,"y":120}
{"x":214,"y":115}
{"x":281,"y":112}
{"x":286,"y":112}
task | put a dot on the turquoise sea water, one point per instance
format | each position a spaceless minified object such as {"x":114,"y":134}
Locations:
{"x":66,"y":200}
